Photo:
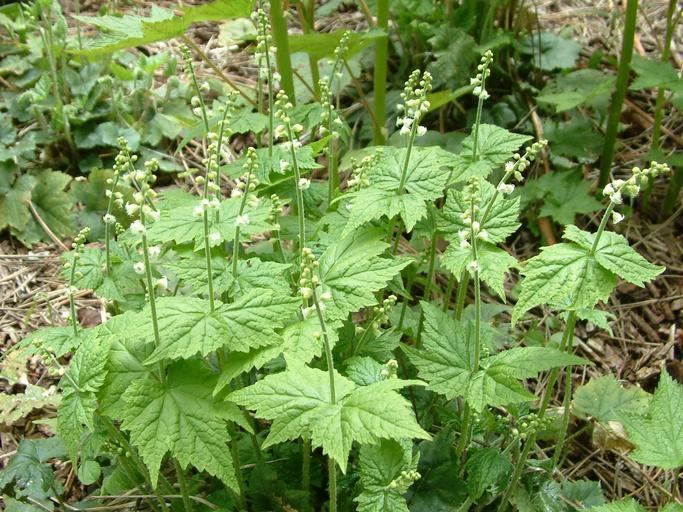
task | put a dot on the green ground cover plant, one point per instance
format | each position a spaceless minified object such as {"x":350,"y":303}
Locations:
{"x":306,"y":326}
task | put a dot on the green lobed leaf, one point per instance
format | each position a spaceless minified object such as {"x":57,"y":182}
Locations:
{"x":380,"y":465}
{"x":584,"y":86}
{"x":615,"y":254}
{"x":28,"y":469}
{"x":299,"y":403}
{"x":179,"y":416}
{"x":657,"y":433}
{"x":605,"y":400}
{"x":494,"y":263}
{"x":486,"y":467}
{"x":501,"y":222}
{"x":447,"y":363}
{"x":627,"y":505}
{"x":426,"y":176}
{"x":495,"y":146}
{"x":565,"y":277}
{"x":128,"y":30}
{"x":80,"y":385}
{"x":188,"y":327}
{"x":353,"y":271}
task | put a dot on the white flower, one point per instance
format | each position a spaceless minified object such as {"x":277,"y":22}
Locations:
{"x":137,"y":228}
{"x":162,"y":283}
{"x":509,"y":166}
{"x":139,"y":268}
{"x":305,"y":312}
{"x":304,"y":183}
{"x":109,"y":218}
{"x":483,"y":235}
{"x":242,"y":220}
{"x":506,"y":188}
{"x":154,"y":251}
{"x":155,"y":215}
{"x":306,"y":292}
{"x":464,"y":244}
{"x":473,"y":266}
{"x":616,"y":198}
{"x":198,"y":211}
{"x":608,"y":190}
{"x":617,"y":217}
{"x":236,"y":193}
{"x":107,"y":193}
{"x":284,"y":165}
{"x":132,"y":209}
{"x":476,"y":226}
{"x":214,"y":238}
{"x":326,"y":296}
{"x":421,"y":130}
{"x":214,"y":204}
{"x":276,"y":76}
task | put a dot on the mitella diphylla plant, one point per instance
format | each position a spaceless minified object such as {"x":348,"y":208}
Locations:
{"x":291,"y":343}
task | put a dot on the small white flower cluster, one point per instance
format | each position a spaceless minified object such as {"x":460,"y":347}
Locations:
{"x":617,"y":189}
{"x":403,"y":481}
{"x":330,"y":120}
{"x":389,"y":370}
{"x":380,"y":313}
{"x":479,"y":81}
{"x":276,"y":205}
{"x":309,"y":283}
{"x":518,"y":165}
{"x":415,"y":104}
{"x":360,"y":170}
{"x":142,"y":208}
{"x":265,"y":51}
{"x":286,"y":131}
{"x":245,"y":187}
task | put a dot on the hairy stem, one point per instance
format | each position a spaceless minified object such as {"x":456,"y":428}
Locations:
{"x":331,"y":467}
{"x":107,"y":235}
{"x":180,"y":475}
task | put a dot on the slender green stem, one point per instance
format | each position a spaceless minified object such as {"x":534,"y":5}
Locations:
{"x":234,"y":449}
{"x":207,"y":255}
{"x":236,"y":241}
{"x":619,"y":92}
{"x":298,"y":191}
{"x":428,"y":287}
{"x":281,"y":40}
{"x":449,"y":292}
{"x":72,"y":300}
{"x":308,"y":26}
{"x":115,"y":433}
{"x":219,"y":153}
{"x":380,"y":71}
{"x":545,"y":401}
{"x":107,"y":235}
{"x":180,"y":475}
{"x":331,"y":467}
{"x":461,"y":294}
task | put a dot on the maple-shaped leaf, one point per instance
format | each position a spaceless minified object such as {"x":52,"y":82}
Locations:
{"x":615,"y":254}
{"x":14,"y":202}
{"x":495,"y":146}
{"x":605,"y":400}
{"x":299,"y":403}
{"x":89,"y":267}
{"x":447,"y":363}
{"x":80,"y":385}
{"x":299,"y":341}
{"x":501,"y":222}
{"x":493,"y":263}
{"x":180,"y":416}
{"x":52,"y":204}
{"x":380,"y":465}
{"x":353,"y":271}
{"x":187,"y":326}
{"x":426,"y":176}
{"x":568,"y":276}
{"x":128,"y":31}
{"x":252,"y":274}
{"x":129,"y":349}
{"x":658,"y":433}
{"x":180,"y":223}
{"x":563,"y":276}
{"x":627,"y":505}
{"x":58,"y":340}
{"x":486,"y":467}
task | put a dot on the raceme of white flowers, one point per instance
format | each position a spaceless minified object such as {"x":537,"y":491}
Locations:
{"x":617,"y":189}
{"x":415,"y":104}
